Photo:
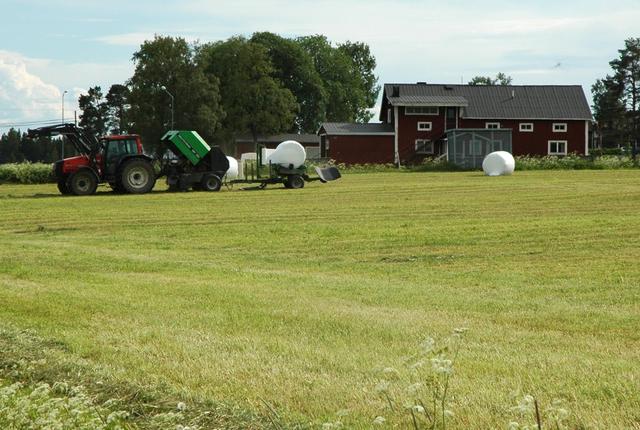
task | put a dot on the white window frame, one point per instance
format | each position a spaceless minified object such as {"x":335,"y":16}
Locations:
{"x":428,"y":125}
{"x":433,"y":113}
{"x":424,"y":142}
{"x":389,"y":115}
{"x":556,"y":152}
{"x":526,"y":130}
{"x":490,"y":125}
{"x":559,"y":127}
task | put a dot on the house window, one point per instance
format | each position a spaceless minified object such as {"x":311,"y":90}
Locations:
{"x":492,"y":125}
{"x":559,"y":127}
{"x":526,"y":126}
{"x":421,"y":110}
{"x":424,"y":146}
{"x":557,"y":147}
{"x":424,"y":126}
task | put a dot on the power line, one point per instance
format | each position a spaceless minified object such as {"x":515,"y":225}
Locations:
{"x":38,"y":122}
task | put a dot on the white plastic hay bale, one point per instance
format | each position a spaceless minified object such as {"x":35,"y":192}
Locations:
{"x":498,"y":163}
{"x":288,"y":153}
{"x":232,"y":173}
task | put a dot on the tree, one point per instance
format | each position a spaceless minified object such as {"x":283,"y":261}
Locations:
{"x":349,"y":95}
{"x":609,"y":111}
{"x":293,"y":67}
{"x":117,"y":109}
{"x":10,"y":147}
{"x":616,"y":98}
{"x":627,"y":73}
{"x":253,"y":100}
{"x":93,"y":116}
{"x":500,"y":79}
{"x":364,"y":65}
{"x":171,"y":62}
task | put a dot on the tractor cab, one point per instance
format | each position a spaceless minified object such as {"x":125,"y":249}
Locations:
{"x":115,"y":148}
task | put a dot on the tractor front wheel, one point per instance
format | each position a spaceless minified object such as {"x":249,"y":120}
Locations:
{"x":294,"y":182}
{"x":211,"y":183}
{"x":137,"y":176}
{"x":82,"y":183}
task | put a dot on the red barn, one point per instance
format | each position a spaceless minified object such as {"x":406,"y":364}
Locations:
{"x":419,"y":120}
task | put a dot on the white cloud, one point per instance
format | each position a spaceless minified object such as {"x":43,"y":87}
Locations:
{"x":125,"y":39}
{"x":24,"y":96}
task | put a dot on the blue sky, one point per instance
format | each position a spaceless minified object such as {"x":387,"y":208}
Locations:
{"x":47,"y":46}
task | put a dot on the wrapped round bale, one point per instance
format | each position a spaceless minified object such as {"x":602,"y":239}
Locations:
{"x":288,"y":153}
{"x":232,"y":173}
{"x":498,"y":163}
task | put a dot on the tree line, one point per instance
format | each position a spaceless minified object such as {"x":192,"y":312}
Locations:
{"x":262,"y":85}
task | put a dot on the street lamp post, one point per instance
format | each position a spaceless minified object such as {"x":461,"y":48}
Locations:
{"x":62,"y":140}
{"x":163,"y":88}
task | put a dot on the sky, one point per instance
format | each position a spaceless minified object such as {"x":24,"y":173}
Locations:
{"x":48,"y":46}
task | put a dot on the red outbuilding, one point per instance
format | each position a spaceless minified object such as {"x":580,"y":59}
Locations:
{"x":463,"y":123}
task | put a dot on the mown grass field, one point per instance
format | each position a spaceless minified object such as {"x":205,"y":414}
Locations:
{"x":299,"y":297}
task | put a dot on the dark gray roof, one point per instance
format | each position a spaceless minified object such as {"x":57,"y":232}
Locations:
{"x":338,"y":128}
{"x":500,"y":101}
{"x":277,"y":138}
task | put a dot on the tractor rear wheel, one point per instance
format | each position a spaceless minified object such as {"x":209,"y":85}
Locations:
{"x":137,"y":176}
{"x":294,"y":182}
{"x":63,"y":186}
{"x":211,"y":182}
{"x":82,"y":183}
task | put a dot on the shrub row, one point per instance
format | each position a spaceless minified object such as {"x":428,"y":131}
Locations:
{"x":26,"y":173}
{"x":573,"y":162}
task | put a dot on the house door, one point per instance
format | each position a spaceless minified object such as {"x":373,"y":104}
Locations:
{"x":451,"y":118}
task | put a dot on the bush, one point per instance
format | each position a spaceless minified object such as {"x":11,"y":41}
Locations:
{"x":26,"y":173}
{"x":572,"y":162}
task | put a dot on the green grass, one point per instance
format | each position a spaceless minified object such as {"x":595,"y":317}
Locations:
{"x":297,"y":297}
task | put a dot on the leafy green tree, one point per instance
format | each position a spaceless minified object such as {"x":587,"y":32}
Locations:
{"x":94,"y":112}
{"x":171,"y":62}
{"x":253,"y":100}
{"x":500,"y":79}
{"x":117,"y":108}
{"x":294,"y":68}
{"x":364,"y":64}
{"x":349,"y":95}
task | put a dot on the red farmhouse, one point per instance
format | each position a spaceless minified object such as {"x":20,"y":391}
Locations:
{"x":464,"y":122}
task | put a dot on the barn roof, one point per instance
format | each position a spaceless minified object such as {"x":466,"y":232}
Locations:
{"x":496,"y":101}
{"x":343,"y":128}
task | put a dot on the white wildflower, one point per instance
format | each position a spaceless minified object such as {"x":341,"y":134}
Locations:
{"x":382,"y":387}
{"x":428,"y":345}
{"x":379,"y":421}
{"x":418,"y":409}
{"x":182,"y":406}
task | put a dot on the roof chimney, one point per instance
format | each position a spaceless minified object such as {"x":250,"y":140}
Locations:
{"x":513,"y":94}
{"x":421,"y":83}
{"x":395,"y":91}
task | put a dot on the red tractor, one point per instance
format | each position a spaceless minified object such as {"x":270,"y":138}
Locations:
{"x":117,"y":160}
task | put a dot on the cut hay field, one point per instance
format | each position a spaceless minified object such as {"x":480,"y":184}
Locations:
{"x":297,"y":298}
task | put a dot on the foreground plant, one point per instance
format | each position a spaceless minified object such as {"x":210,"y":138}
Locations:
{"x":419,"y":392}
{"x":531,"y":417}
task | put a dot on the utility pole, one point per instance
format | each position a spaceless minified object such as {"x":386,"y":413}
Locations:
{"x":163,"y":88}
{"x":62,"y":139}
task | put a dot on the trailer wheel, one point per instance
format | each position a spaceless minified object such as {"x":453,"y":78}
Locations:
{"x":295,"y":182}
{"x":211,"y":183}
{"x":137,"y":176}
{"x":82,"y":183}
{"x":63,"y":186}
